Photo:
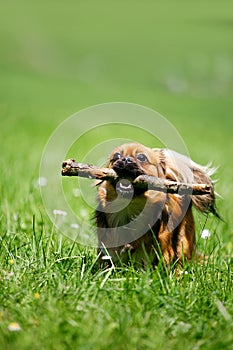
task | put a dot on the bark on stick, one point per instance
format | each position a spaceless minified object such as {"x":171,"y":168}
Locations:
{"x":72,"y":168}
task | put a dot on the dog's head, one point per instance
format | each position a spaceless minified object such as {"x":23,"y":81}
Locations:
{"x":131,"y":160}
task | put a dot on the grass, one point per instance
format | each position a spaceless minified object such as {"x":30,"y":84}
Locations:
{"x":55,"y":292}
{"x":57,"y":58}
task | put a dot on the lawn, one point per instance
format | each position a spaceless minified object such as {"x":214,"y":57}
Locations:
{"x":58,"y":58}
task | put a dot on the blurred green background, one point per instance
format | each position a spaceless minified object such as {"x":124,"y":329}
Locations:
{"x":58,"y":57}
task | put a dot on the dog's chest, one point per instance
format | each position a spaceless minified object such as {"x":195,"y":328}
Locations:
{"x":123,"y":212}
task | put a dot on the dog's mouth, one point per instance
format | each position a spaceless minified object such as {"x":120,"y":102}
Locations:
{"x":127,"y":172}
{"x":125,"y":188}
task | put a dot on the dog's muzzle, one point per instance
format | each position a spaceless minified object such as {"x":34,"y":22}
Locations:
{"x":127,"y":171}
{"x":127,"y":168}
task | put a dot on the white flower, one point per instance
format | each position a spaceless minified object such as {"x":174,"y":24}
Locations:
{"x":41,"y":181}
{"x":15,"y":216}
{"x":76,"y":192}
{"x":59,"y":212}
{"x":75,"y":226}
{"x":205,"y":234}
{"x":14,"y":327}
{"x":83,"y":213}
{"x":8,"y":275}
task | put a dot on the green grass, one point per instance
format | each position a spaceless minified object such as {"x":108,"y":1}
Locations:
{"x":83,"y":307}
{"x":57,"y":58}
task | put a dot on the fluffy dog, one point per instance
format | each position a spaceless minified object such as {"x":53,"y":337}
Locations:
{"x":143,"y":225}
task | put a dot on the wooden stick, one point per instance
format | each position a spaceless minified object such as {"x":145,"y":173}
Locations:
{"x":71,"y":168}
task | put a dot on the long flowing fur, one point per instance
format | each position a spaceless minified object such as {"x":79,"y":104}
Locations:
{"x":180,"y":168}
{"x":138,"y":225}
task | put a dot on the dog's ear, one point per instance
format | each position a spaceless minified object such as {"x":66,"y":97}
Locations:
{"x":179,"y":168}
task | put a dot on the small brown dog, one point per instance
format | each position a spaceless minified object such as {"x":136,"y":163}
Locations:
{"x":141,"y":225}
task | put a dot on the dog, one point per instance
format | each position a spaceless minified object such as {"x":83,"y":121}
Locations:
{"x":143,"y":226}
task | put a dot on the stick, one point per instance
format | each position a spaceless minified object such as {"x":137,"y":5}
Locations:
{"x":71,"y":168}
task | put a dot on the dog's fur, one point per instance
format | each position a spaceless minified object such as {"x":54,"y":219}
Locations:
{"x":138,"y":225}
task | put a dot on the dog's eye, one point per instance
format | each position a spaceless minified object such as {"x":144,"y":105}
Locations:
{"x":116,"y":156}
{"x":142,"y":158}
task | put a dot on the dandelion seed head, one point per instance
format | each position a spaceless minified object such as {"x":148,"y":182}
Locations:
{"x":205,"y":234}
{"x":15,"y":216}
{"x":83,"y":213}
{"x":41,"y":181}
{"x":76,"y":192}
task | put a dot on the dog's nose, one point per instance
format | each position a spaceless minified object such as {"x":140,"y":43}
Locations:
{"x":127,"y":160}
